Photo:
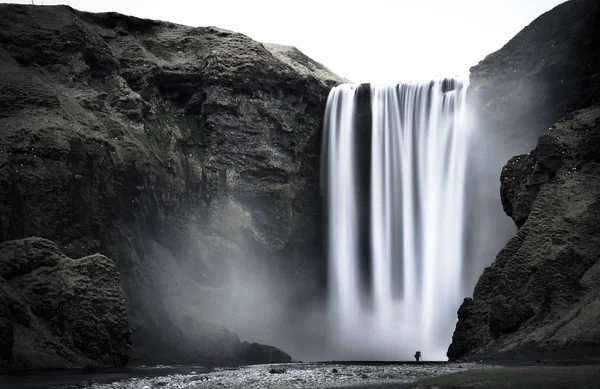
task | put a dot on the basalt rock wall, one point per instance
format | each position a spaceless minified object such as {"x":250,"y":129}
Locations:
{"x":540,"y":298}
{"x":188,"y":156}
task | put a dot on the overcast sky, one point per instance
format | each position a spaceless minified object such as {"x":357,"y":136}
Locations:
{"x":364,"y":41}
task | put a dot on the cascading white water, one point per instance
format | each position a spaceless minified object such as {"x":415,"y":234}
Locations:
{"x":393,"y":178}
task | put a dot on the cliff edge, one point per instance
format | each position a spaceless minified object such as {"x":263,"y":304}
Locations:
{"x":540,"y":299}
{"x":188,"y":156}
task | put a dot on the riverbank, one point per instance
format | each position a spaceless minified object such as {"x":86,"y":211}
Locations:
{"x":325,"y":375}
{"x":274,"y":376}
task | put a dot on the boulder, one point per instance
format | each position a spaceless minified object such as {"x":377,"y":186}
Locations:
{"x":59,"y":312}
{"x":255,"y":354}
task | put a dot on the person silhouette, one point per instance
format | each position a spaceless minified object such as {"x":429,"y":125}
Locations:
{"x":418,"y":356}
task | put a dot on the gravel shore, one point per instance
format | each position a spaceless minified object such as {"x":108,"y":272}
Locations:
{"x":275,"y":376}
{"x":326,"y":376}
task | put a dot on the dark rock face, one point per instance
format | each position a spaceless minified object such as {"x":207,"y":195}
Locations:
{"x":546,"y":71}
{"x":543,"y":73}
{"x":541,"y":297}
{"x":7,"y":336}
{"x":255,"y":353}
{"x":58,"y":312}
{"x":524,"y":175}
{"x":187,"y":155}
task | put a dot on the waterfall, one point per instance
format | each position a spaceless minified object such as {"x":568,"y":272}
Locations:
{"x":393,"y":172}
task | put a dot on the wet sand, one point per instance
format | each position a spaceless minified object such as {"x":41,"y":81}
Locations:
{"x":521,"y":377}
{"x":40,"y":379}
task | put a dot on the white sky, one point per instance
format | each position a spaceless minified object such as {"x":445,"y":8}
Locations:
{"x":365,"y":40}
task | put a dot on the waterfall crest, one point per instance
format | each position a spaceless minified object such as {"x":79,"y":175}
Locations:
{"x":393,"y":172}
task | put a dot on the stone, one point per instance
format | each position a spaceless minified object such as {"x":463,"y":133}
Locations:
{"x":59,"y":312}
{"x":255,"y":353}
{"x":277,"y":370}
{"x":7,"y":338}
{"x":518,"y":191}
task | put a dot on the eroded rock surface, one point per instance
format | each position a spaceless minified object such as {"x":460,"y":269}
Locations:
{"x":189,"y":156}
{"x":58,"y":312}
{"x":546,"y":71}
{"x":541,"y":297}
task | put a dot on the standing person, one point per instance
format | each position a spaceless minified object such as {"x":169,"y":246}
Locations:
{"x":418,"y":356}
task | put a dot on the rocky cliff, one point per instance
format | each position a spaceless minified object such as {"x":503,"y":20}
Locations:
{"x":516,"y":94}
{"x":189,"y":156}
{"x":540,"y":75}
{"x":540,"y":299}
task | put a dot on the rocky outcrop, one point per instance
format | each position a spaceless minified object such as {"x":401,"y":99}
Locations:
{"x":189,"y":156}
{"x":523,"y":177}
{"x":58,"y":312}
{"x":257,"y":354}
{"x":546,"y":71}
{"x":540,"y":299}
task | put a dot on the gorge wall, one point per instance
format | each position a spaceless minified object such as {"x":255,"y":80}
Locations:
{"x":189,"y":159}
{"x":546,"y":71}
{"x":540,"y":299}
{"x":188,"y":156}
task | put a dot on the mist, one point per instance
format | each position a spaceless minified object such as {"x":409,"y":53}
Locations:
{"x":266,"y":298}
